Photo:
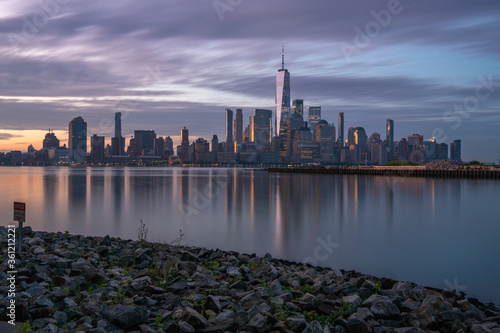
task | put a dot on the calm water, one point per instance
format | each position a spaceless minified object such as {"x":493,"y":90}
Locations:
{"x":442,"y":233}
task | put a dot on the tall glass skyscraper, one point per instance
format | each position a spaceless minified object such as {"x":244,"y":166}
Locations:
{"x":314,"y":116}
{"x":390,"y":138}
{"x":282,"y":95}
{"x":229,"y":125}
{"x":78,"y":139}
{"x":261,"y":125}
{"x":341,"y":130}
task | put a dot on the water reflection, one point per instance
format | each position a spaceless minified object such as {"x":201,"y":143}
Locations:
{"x":423,"y":230}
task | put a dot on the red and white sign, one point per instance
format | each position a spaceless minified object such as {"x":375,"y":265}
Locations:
{"x":19,"y":211}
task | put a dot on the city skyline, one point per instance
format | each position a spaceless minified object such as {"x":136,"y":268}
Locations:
{"x":163,"y":74}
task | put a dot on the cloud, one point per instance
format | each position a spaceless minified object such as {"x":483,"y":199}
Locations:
{"x":177,"y":64}
{"x":8,"y":136}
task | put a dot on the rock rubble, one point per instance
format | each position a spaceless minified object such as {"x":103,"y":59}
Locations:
{"x":69,"y":283}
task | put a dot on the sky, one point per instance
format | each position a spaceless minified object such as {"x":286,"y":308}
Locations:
{"x":431,"y":66}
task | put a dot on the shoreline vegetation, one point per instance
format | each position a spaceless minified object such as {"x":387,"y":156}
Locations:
{"x":72,"y":283}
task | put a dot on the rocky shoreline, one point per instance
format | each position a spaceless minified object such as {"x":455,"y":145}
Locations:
{"x":70,"y":283}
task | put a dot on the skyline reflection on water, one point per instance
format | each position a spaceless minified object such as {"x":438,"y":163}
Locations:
{"x":423,"y":230}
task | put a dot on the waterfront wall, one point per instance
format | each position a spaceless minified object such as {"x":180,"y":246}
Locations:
{"x":403,"y":171}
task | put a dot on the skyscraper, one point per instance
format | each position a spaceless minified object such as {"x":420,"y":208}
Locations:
{"x":261,"y":128}
{"x":390,"y":138}
{"x":145,"y":141}
{"x":229,"y":125}
{"x":118,"y":124}
{"x":78,"y":139}
{"x":341,"y":130}
{"x":456,"y":150}
{"x":184,"y":144}
{"x":50,"y":141}
{"x":314,"y":115}
{"x":118,"y":142}
{"x":238,"y":126}
{"x":298,"y":106}
{"x":282,"y":94}
{"x":215,"y":148}
{"x":96,"y":149}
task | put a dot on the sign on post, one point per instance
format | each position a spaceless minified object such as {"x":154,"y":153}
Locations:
{"x":19,"y":211}
{"x":20,"y":216}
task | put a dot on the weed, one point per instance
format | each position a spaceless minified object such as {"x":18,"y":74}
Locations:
{"x":142,"y":234}
{"x":307,"y":289}
{"x":26,"y":328}
{"x":159,"y":321}
{"x":66,"y":234}
{"x":378,"y":287}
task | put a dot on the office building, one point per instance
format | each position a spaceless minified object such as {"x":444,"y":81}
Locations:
{"x":298,"y":106}
{"x":456,"y":150}
{"x":78,"y":140}
{"x":215,"y":148}
{"x":202,"y":151}
{"x":229,"y":125}
{"x":314,"y":117}
{"x":169,"y":146}
{"x":118,"y":141}
{"x":145,"y":142}
{"x":261,"y":128}
{"x":184,"y":155}
{"x":340,"y":142}
{"x":97,"y":149}
{"x":322,"y":136}
{"x":238,"y":126}
{"x":50,"y":141}
{"x":159,"y":147}
{"x":390,"y":138}
{"x":282,"y":95}
{"x":442,"y":151}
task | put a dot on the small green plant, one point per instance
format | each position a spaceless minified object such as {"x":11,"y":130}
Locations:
{"x":159,"y":321}
{"x":26,"y":328}
{"x":142,"y":234}
{"x":378,"y":287}
{"x":286,"y":288}
{"x":307,"y":289}
{"x":126,"y":271}
{"x":213,"y":265}
{"x":66,"y":234}
{"x":66,"y":291}
{"x":253,"y":264}
{"x":330,"y":319}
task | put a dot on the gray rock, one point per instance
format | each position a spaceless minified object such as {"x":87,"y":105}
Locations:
{"x":186,"y":327}
{"x":314,"y":327}
{"x":226,"y":315}
{"x":140,"y":283}
{"x":126,"y":316}
{"x":407,"y":330}
{"x":355,"y":300}
{"x":296,"y":323}
{"x":275,"y":288}
{"x":258,"y":323}
{"x":44,"y":301}
{"x":357,"y":325}
{"x":177,"y":286}
{"x":212,"y":303}
{"x":60,"y":317}
{"x":385,"y":309}
{"x":192,"y":317}
{"x":34,"y":289}
{"x":410,"y":305}
{"x":70,"y":303}
{"x":70,"y":255}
